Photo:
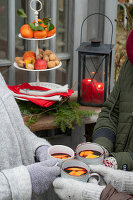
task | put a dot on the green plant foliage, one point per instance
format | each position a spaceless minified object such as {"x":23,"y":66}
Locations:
{"x":122,"y":33}
{"x":21,"y":13}
{"x":47,"y":21}
{"x":36,"y":28}
{"x":33,"y":119}
{"x":67,"y":113}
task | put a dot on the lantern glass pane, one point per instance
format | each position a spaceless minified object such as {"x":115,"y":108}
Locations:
{"x":92,"y":79}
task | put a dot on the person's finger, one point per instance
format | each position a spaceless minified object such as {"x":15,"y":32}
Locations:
{"x":49,"y":163}
{"x":59,"y":183}
{"x":100,"y":169}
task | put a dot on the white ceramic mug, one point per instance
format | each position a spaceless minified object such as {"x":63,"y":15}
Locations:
{"x":78,"y":163}
{"x":90,"y":146}
{"x":60,"y":149}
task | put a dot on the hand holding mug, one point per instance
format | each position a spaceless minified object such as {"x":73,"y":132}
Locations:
{"x":122,"y":181}
{"x":76,"y":190}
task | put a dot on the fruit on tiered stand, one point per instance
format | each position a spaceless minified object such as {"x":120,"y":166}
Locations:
{"x":43,"y":29}
{"x":45,"y":59}
{"x":40,"y":64}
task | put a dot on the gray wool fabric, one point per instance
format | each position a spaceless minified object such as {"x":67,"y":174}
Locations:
{"x":17,"y":149}
{"x":42,"y":153}
{"x":43,"y":174}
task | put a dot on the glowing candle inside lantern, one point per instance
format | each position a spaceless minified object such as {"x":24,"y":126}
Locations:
{"x":98,"y":93}
{"x":92,"y":91}
{"x":86,"y":89}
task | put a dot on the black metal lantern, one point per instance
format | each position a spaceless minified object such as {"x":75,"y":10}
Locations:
{"x":94,"y":69}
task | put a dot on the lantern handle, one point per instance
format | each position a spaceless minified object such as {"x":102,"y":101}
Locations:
{"x":97,"y":14}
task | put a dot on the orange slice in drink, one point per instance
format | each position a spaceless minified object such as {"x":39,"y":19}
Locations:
{"x":61,"y":156}
{"x":76,"y":173}
{"x":92,"y":156}
{"x":75,"y":169}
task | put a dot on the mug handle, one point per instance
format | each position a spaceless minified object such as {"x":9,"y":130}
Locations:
{"x":96,"y":178}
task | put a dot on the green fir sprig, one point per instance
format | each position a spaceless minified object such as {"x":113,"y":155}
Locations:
{"x":67,"y":113}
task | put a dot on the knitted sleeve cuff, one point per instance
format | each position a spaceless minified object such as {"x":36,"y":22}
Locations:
{"x":105,"y":137}
{"x":92,"y":191}
{"x":128,"y":182}
{"x":20,"y":183}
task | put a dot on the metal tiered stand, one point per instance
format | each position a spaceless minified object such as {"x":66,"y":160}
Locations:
{"x":38,"y":83}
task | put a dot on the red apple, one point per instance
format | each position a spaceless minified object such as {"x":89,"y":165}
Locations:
{"x":40,"y":64}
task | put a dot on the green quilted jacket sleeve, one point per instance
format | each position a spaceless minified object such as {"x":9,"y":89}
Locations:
{"x":105,"y":128}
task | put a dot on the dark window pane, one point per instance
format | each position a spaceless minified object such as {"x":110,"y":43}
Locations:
{"x":3,"y":29}
{"x":62,"y":26}
{"x":61,"y":74}
{"x":19,"y":22}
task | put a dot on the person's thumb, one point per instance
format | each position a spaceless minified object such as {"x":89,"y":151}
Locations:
{"x":50,"y":162}
{"x":55,"y":171}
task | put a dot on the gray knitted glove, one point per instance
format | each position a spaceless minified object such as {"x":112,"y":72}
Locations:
{"x":68,"y":189}
{"x":41,"y":153}
{"x":42,"y":175}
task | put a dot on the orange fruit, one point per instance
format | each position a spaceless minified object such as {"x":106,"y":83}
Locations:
{"x":51,"y":32}
{"x":26,"y":31}
{"x":39,"y":20}
{"x":29,"y":54}
{"x":40,"y":34}
{"x":24,"y":26}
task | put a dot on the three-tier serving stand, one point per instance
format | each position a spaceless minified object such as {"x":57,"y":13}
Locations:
{"x":38,"y":83}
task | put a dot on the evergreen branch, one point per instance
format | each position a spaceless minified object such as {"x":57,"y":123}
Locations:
{"x":66,"y":112}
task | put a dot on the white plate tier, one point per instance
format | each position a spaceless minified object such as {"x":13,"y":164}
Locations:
{"x":47,"y":38}
{"x":34,"y":70}
{"x":42,"y":84}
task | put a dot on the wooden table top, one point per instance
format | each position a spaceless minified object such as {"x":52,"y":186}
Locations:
{"x":46,"y":122}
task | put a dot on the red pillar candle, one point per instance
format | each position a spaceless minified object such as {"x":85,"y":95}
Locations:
{"x":98,"y":93}
{"x":86,"y":90}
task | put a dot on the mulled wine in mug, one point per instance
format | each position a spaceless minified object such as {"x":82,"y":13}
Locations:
{"x":61,"y":152}
{"x":90,"y":153}
{"x":77,"y":170}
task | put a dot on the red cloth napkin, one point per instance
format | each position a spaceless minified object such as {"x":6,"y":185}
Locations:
{"x":40,"y":102}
